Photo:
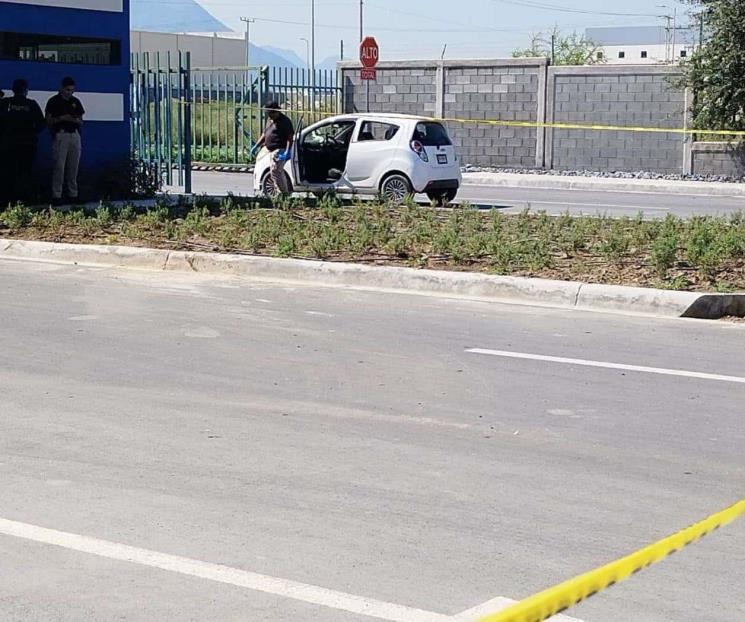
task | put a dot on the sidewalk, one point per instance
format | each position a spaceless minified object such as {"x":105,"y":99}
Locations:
{"x":601,"y":184}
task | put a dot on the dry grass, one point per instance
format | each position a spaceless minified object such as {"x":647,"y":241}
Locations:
{"x":703,"y":253}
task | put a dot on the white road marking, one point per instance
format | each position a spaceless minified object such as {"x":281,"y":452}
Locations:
{"x":497,"y":604}
{"x":222,"y":574}
{"x":201,"y":332}
{"x":285,"y":588}
{"x":83,"y":318}
{"x":638,"y":368}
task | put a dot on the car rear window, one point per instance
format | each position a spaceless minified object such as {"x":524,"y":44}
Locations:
{"x":431,"y":134}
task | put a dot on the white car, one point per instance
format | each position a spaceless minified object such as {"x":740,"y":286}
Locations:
{"x":370,"y":154}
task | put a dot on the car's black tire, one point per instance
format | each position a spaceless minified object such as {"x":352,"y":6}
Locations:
{"x":443,"y":197}
{"x":267,"y":185}
{"x":396,"y":188}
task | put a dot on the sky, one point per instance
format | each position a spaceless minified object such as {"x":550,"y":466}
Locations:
{"x":414,"y":29}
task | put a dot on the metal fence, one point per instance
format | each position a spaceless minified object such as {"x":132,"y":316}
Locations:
{"x":160,"y":123}
{"x":182,"y":114}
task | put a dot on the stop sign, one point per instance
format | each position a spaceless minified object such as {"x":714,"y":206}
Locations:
{"x":369,"y":52}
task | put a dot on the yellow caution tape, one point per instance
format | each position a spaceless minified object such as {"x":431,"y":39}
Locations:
{"x":554,"y":600}
{"x":558,"y":126}
{"x":602,"y":128}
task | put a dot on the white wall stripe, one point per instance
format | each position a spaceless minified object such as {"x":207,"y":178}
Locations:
{"x":98,"y":106}
{"x":111,"y":6}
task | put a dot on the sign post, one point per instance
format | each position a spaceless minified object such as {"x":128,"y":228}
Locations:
{"x":369,"y":54}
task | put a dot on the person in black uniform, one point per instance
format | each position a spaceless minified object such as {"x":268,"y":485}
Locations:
{"x":21,"y":120}
{"x":64,"y":114}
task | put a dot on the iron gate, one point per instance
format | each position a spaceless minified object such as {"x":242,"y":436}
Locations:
{"x":183,"y":114}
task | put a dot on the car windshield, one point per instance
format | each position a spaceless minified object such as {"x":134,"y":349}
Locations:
{"x":339,"y":132}
{"x":431,"y":134}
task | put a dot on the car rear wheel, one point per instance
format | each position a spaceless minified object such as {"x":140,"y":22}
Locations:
{"x":396,"y":188}
{"x":442,"y":197}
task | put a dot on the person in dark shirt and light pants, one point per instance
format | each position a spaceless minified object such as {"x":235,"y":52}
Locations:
{"x":64,"y":113}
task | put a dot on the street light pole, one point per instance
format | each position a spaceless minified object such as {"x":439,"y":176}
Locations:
{"x":313,"y":35}
{"x":307,"y":53}
{"x":362,"y":30}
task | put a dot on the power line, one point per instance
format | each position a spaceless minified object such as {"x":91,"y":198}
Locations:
{"x":560,"y":9}
{"x":352,"y":27}
{"x":435,"y":19}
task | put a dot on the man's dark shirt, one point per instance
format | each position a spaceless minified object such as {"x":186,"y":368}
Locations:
{"x":58,"y":106}
{"x":278,"y":133}
{"x":20,"y":121}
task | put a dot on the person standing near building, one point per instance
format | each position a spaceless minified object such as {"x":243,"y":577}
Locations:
{"x":64,"y":114}
{"x":21,"y":121}
{"x":277,"y":138}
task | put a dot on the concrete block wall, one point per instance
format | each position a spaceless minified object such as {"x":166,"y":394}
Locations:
{"x":506,"y":92}
{"x":718,"y":158}
{"x":528,"y":90}
{"x":405,"y":89}
{"x":474,"y":90}
{"x":615,"y":96}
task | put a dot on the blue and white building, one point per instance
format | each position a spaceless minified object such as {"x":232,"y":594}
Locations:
{"x":45,"y":40}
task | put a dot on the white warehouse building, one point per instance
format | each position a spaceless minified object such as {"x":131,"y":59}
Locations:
{"x":642,"y":45}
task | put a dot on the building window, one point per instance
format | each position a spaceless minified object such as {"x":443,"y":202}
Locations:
{"x":644,"y":53}
{"x":600,"y":56}
{"x":59,"y":49}
{"x":683,"y":53}
{"x":622,"y":55}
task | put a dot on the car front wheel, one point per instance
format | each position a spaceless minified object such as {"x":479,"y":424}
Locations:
{"x":267,"y":185}
{"x":396,"y":188}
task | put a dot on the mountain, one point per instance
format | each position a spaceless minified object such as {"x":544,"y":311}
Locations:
{"x":292,"y":59}
{"x":274,"y":57}
{"x":328,"y":63}
{"x":173,"y":16}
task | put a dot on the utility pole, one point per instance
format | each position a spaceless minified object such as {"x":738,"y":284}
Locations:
{"x":675,"y":32}
{"x":248,"y":22}
{"x":701,"y":30}
{"x":341,"y":49}
{"x":553,"y":48}
{"x":362,"y":30}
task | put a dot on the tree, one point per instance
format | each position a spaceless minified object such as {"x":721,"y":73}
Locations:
{"x":571,"y":49}
{"x":716,"y":70}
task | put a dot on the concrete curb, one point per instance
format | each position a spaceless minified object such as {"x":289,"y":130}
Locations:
{"x":604,"y":184}
{"x":505,"y":289}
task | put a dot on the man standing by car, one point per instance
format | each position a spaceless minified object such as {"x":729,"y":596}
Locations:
{"x":277,"y":138}
{"x":65,"y":118}
{"x":21,"y":121}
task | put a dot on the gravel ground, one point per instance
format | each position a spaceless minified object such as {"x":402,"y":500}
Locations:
{"x":606,"y":174}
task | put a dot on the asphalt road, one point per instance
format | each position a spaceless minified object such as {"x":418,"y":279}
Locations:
{"x":349,"y":441}
{"x":514,"y":200}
